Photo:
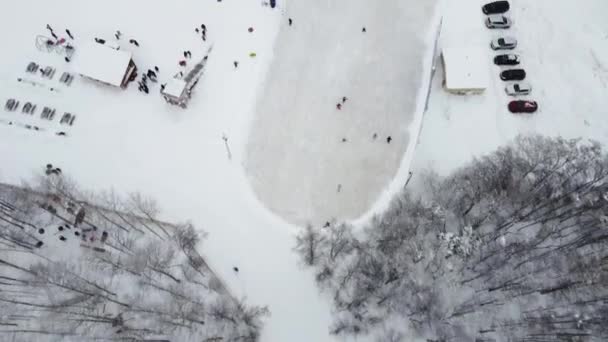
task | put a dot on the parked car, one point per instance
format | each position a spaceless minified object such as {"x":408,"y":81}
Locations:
{"x":513,"y":75}
{"x":504,"y":43}
{"x":516,"y":89}
{"x":523,"y":106}
{"x":507,"y":59}
{"x":498,"y":21}
{"x":496,"y":7}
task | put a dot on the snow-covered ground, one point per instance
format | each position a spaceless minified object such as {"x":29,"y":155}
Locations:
{"x":133,"y":142}
{"x":564,"y":50}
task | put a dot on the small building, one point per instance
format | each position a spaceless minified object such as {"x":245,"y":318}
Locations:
{"x":179,"y":89}
{"x":465,"y":69}
{"x":175,"y":92}
{"x":105,"y":64}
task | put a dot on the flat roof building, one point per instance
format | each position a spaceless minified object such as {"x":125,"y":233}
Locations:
{"x":104,"y":64}
{"x":466,"y":70}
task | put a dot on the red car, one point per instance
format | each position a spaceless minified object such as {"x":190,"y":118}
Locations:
{"x":523,"y":106}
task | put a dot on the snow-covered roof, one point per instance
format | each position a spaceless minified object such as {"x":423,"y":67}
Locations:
{"x":102,"y":63}
{"x":466,"y":68}
{"x":175,"y":87}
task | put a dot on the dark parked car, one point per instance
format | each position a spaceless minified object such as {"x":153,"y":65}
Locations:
{"x":496,"y":7}
{"x":508,"y":59}
{"x":513,"y":75}
{"x":523,"y":106}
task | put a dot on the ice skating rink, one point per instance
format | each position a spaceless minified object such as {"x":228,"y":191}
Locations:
{"x":308,"y":161}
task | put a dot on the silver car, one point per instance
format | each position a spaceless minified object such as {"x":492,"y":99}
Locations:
{"x":498,"y":21}
{"x":503,"y":43}
{"x":517,"y":89}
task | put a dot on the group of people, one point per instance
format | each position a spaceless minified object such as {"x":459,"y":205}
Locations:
{"x":202,"y":31}
{"x":150,"y":75}
{"x":374,"y":136}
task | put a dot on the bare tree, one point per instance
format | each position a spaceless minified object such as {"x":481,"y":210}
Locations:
{"x":511,"y":247}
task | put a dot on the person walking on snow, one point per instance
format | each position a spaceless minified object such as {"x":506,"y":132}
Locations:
{"x":344,"y":98}
{"x":236,"y":64}
{"x":69,"y":34}
{"x":290,"y":21}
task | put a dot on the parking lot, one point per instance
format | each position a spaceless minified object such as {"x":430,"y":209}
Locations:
{"x":564,"y":50}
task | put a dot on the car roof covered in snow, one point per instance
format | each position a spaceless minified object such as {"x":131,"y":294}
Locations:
{"x":175,"y":87}
{"x":466,"y":68}
{"x":102,"y":62}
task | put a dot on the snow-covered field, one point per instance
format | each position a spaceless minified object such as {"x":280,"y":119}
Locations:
{"x":133,"y":142}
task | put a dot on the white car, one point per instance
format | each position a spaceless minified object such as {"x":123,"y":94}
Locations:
{"x":517,"y":89}
{"x":498,"y":21}
{"x":504,"y":43}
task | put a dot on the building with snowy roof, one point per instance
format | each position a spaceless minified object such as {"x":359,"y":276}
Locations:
{"x":179,"y":90}
{"x":466,"y":70}
{"x":104,"y":64}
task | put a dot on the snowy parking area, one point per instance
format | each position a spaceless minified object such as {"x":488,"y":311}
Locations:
{"x":564,"y":50}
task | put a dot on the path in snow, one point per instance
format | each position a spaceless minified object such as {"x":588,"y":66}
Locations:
{"x":297,"y":161}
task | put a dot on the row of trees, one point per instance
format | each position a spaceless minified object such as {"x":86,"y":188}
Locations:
{"x":117,"y":273}
{"x":512,"y":247}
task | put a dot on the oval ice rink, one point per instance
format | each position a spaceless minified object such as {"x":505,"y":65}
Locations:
{"x":310,"y":162}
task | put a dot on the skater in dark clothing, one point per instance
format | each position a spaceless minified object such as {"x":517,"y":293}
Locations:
{"x":339,"y":106}
{"x":290,"y":21}
{"x":54,"y":35}
{"x":196,"y":30}
{"x":236,"y":64}
{"x":327,"y":224}
{"x":375,"y":136}
{"x":182,"y":63}
{"x":203,"y":27}
{"x":388,"y":139}
{"x":364,"y":29}
{"x":185,"y":54}
{"x":235,"y":269}
{"x":100,"y":41}
{"x":69,"y":34}
{"x":67,"y":59}
{"x":156,"y":68}
{"x":344,"y":98}
{"x":162,"y":86}
{"x":134,"y":42}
